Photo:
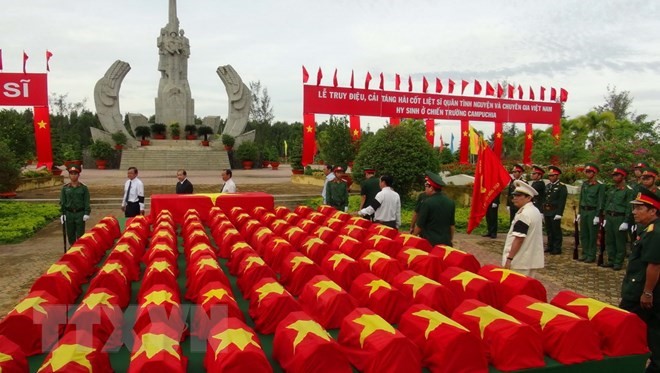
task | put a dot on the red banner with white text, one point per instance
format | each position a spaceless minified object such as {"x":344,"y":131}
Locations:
{"x":18,"y":89}
{"x":365,"y":102}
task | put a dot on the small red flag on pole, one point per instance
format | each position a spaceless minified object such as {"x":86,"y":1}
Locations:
{"x":510,"y":90}
{"x":397,"y":82}
{"x":352,"y":80}
{"x":464,"y":83}
{"x":477,"y":87}
{"x":438,"y":85}
{"x":367,"y":80}
{"x":0,"y":59}
{"x":520,"y":92}
{"x":334,"y":79}
{"x":319,"y":76}
{"x":305,"y":75}
{"x":48,"y":56}
{"x":553,"y":94}
{"x":542,"y":94}
{"x":489,"y":89}
{"x":531,"y":94}
{"x":500,"y":90}
{"x":425,"y":84}
{"x":25,"y":58}
{"x":410,"y":87}
{"x":563,"y":95}
{"x":381,"y":85}
{"x":451,"y":86}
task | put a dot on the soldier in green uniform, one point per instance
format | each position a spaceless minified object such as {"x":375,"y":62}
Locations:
{"x":337,"y":191}
{"x":539,"y":185}
{"x":592,"y":194}
{"x":368,"y":189}
{"x":637,"y":171}
{"x":649,"y":176}
{"x":436,"y":219}
{"x":421,"y":197}
{"x":639,"y":291}
{"x":553,"y":209}
{"x":74,"y":205}
{"x":617,"y":213}
{"x":516,"y":173}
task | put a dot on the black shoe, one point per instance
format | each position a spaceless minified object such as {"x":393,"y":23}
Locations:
{"x":546,"y":250}
{"x":607,"y":265}
{"x":493,"y":236}
{"x":617,"y":268}
{"x":555,"y":253}
{"x":582,"y":260}
{"x":485,"y":235}
{"x":590,"y":261}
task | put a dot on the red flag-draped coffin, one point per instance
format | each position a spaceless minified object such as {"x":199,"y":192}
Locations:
{"x":510,"y":344}
{"x":467,"y":285}
{"x":621,"y":332}
{"x":303,"y":210}
{"x":421,"y":262}
{"x":12,"y":359}
{"x":99,"y":314}
{"x":234,"y":348}
{"x":446,"y":346}
{"x":113,"y":277}
{"x":35,"y":323}
{"x":510,"y":283}
{"x":422,"y":290}
{"x":567,"y":338}
{"x":161,"y":251}
{"x":341,"y":268}
{"x":380,"y":264}
{"x":77,"y":351}
{"x":62,"y":281}
{"x":409,"y":240}
{"x":326,"y":301}
{"x":383,"y":230}
{"x":159,"y":272}
{"x":253,"y":270}
{"x":348,"y":246}
{"x":314,"y":248}
{"x":373,"y":345}
{"x":383,"y":244}
{"x":359,"y":221}
{"x":276,"y":250}
{"x":216,"y":302}
{"x":378,"y":295}
{"x":334,"y":223}
{"x":160,"y":304}
{"x":316,"y":217}
{"x":302,"y":345}
{"x":353,"y":231}
{"x":270,"y":304}
{"x":296,"y":271}
{"x":157,"y":349}
{"x":307,"y":225}
{"x":325,"y":233}
{"x":456,"y":258}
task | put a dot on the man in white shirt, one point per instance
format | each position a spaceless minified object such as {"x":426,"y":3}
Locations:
{"x":523,"y":248}
{"x":387,"y":207}
{"x":329,"y":176}
{"x":229,"y":186}
{"x":133,"y":202}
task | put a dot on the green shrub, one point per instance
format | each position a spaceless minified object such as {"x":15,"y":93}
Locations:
{"x":295,"y":153}
{"x":10,"y":169}
{"x":175,"y":129}
{"x":228,"y":140}
{"x":158,"y":128}
{"x":247,"y":151}
{"x":400,"y":151}
{"x":335,"y":143}
{"x":20,"y":220}
{"x":119,"y":138}
{"x":190,"y":128}
{"x":204,"y":131}
{"x":143,"y":132}
{"x":101,"y":150}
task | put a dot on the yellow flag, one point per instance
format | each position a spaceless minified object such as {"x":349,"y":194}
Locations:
{"x":474,"y":142}
{"x":286,"y":147}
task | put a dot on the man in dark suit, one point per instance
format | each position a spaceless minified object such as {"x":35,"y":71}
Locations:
{"x":184,"y":186}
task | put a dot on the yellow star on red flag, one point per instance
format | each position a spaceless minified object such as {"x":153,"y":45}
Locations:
{"x":153,"y":344}
{"x":375,"y":285}
{"x":62,"y":269}
{"x":594,"y":307}
{"x":374,"y":256}
{"x":305,"y":327}
{"x":550,"y":312}
{"x":300,"y":259}
{"x":418,"y":282}
{"x":466,"y":277}
{"x":372,"y":324}
{"x":506,"y":273}
{"x":269,"y":288}
{"x":487,"y":315}
{"x":94,"y":299}
{"x":338,"y":258}
{"x":309,"y":129}
{"x":159,"y":297}
{"x":66,"y":354}
{"x":436,"y":319}
{"x":240,"y":338}
{"x":414,"y":253}
{"x":42,"y":124}
{"x":216,"y":293}
{"x":31,"y":303}
{"x":326,"y":285}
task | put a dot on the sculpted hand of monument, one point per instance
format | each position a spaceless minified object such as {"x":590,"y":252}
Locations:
{"x":240,"y":100}
{"x":106,"y":97}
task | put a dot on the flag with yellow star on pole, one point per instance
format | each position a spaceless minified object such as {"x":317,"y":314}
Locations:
{"x":430,"y":131}
{"x":529,"y":144}
{"x":567,"y":338}
{"x":510,"y":344}
{"x":456,"y":258}
{"x":446,"y":345}
{"x":621,"y":332}
{"x":373,"y":345}
{"x":378,"y":295}
{"x":42,"y":137}
{"x":302,"y":345}
{"x":157,"y":349}
{"x":234,"y":347}
{"x":354,"y":127}
{"x":511,"y":283}
{"x":270,"y":303}
{"x":12,"y":359}
{"x":77,"y":351}
{"x":296,"y":270}
{"x":420,"y":289}
{"x":309,"y":139}
{"x":326,"y":301}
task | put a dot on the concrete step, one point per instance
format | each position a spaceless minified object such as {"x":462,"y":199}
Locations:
{"x":173,"y":158}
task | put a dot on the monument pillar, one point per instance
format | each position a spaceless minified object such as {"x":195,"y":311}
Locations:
{"x":174,"y":102}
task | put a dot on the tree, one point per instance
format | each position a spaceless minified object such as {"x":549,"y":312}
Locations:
{"x":619,"y":103}
{"x":261,"y":110}
{"x":400,"y":151}
{"x":17,"y":131}
{"x":335,"y":144}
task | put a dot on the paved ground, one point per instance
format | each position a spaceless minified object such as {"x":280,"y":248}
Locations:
{"x":21,"y":263}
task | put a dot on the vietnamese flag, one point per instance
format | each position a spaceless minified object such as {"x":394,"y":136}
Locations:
{"x":531,"y":93}
{"x":542,"y":94}
{"x":233,"y":347}
{"x":425,"y":84}
{"x":553,"y":94}
{"x":410,"y":85}
{"x":49,"y":54}
{"x":438,"y":85}
{"x":354,"y":126}
{"x":326,"y":301}
{"x":309,"y":139}
{"x":367,"y":79}
{"x":529,"y":144}
{"x":464,"y":84}
{"x":563,"y":95}
{"x":157,"y":349}
{"x":319,"y":76}
{"x":397,"y":82}
{"x":42,"y":137}
{"x":430,"y":130}
{"x":305,"y":74}
{"x":451,"y":86}
{"x":77,"y":351}
{"x":500,"y":90}
{"x":352,"y":80}
{"x":12,"y":359}
{"x":490,"y":178}
{"x":520,"y":92}
{"x":510,"y":90}
{"x":497,"y":144}
{"x":381,"y":85}
{"x":334,"y":79}
{"x":477,"y":87}
{"x":490,"y":91}
{"x":25,"y":58}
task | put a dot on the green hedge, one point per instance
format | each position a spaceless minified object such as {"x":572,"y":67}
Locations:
{"x":20,"y":220}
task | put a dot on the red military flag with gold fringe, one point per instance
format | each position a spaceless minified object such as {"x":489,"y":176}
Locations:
{"x":373,"y":345}
{"x":510,"y":344}
{"x":567,"y":338}
{"x":233,"y":347}
{"x":302,"y":345}
{"x":621,"y":332}
{"x":446,"y":345}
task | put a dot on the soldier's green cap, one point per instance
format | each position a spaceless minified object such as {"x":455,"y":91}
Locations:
{"x":554,"y":170}
{"x":434,"y":179}
{"x":74,"y":168}
{"x":591,"y":167}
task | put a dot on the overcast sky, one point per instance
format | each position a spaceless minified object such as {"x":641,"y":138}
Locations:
{"x":582,"y":46}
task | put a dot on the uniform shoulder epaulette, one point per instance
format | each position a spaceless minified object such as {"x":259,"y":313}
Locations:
{"x":629,"y":187}
{"x":560,"y":183}
{"x":83,"y":184}
{"x":650,"y":227}
{"x":599,"y":182}
{"x":67,"y":184}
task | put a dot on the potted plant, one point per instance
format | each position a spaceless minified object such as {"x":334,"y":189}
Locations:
{"x":205,"y":131}
{"x":190,"y":129}
{"x":228,"y":141}
{"x":71,"y":155}
{"x":269,"y":156}
{"x":120,"y":139}
{"x":158,"y":131}
{"x":247,"y":152}
{"x":101,"y":151}
{"x":175,"y":131}
{"x":296,"y":157}
{"x":10,"y":171}
{"x":143,"y":132}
